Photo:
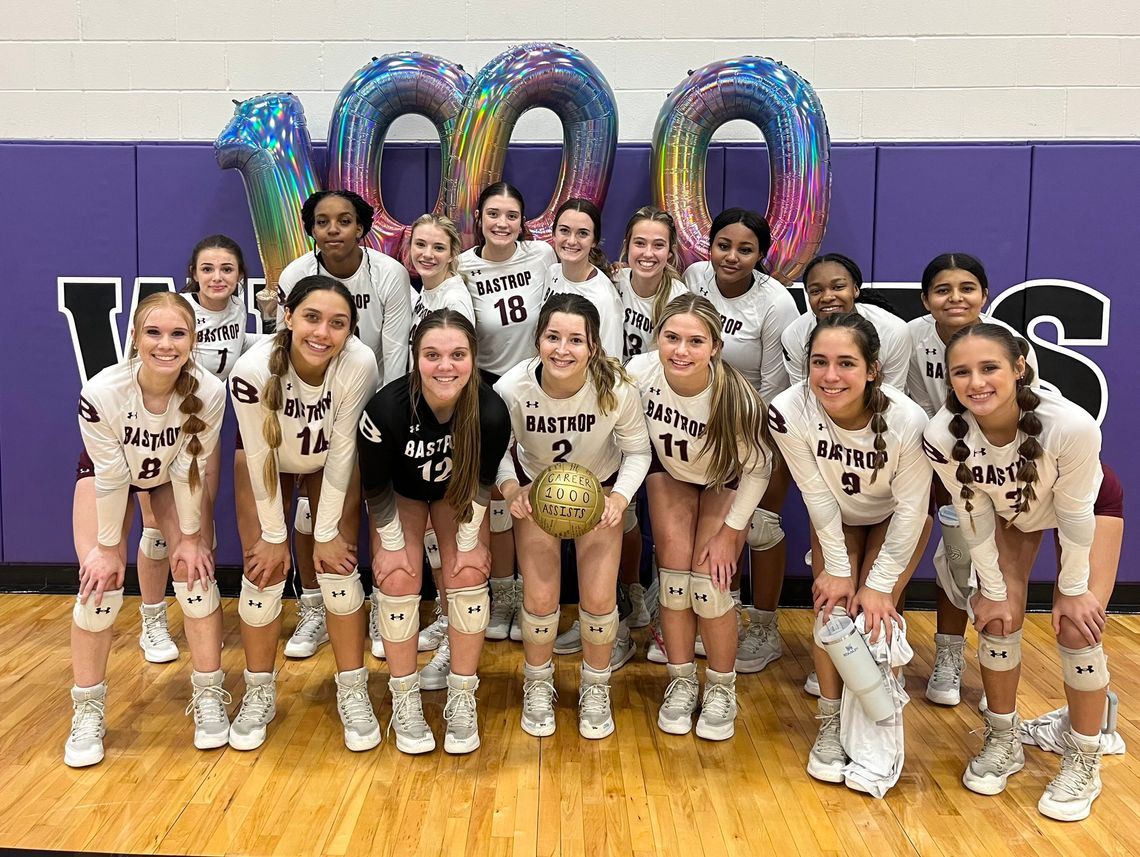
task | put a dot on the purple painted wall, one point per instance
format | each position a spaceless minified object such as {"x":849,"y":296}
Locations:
{"x":1047,"y":212}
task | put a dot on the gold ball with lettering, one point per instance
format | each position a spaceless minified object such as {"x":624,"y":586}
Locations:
{"x":566,"y":500}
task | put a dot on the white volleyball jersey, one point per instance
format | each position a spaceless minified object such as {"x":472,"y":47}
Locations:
{"x":894,"y":344}
{"x":574,"y":429}
{"x":507,"y":297}
{"x":677,"y":425}
{"x":450,"y":294}
{"x":318,"y":429}
{"x":129,"y":445}
{"x":221,"y":336}
{"x":926,"y":375}
{"x":381,"y":287}
{"x":638,"y":314}
{"x":752,"y":325}
{"x":833,"y":468}
{"x":1068,"y":481}
{"x":599,"y":290}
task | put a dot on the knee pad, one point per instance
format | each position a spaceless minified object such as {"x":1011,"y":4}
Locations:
{"x":469,"y":609}
{"x":673,"y":589}
{"x":1000,"y":654}
{"x":303,"y":518}
{"x":629,"y":517}
{"x":260,"y":608}
{"x":500,"y":516}
{"x":431,"y":548}
{"x":399,"y":617}
{"x":765,"y":531}
{"x":197,"y":603}
{"x":539,"y":630}
{"x":598,"y":630}
{"x":708,"y":601}
{"x":342,"y":593}
{"x":152,"y":544}
{"x":1084,"y":669}
{"x":91,"y":618}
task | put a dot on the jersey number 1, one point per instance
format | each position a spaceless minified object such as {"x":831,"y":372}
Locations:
{"x":512,"y":310}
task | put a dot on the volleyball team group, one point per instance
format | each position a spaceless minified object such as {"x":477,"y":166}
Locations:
{"x":705,"y":395}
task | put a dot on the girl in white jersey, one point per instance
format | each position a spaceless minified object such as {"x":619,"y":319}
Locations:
{"x":582,"y":268}
{"x":506,"y":274}
{"x":955,"y":290}
{"x":711,"y":466}
{"x":832,"y":283}
{"x":298,"y":397}
{"x":571,"y":403}
{"x":754,"y":309}
{"x":1031,"y":458}
{"x":649,"y":280}
{"x":854,"y":446}
{"x":149,"y":424}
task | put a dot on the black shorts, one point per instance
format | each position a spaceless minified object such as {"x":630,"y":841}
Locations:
{"x":523,"y":479}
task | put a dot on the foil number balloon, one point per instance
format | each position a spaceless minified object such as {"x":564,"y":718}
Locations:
{"x":790,"y":117}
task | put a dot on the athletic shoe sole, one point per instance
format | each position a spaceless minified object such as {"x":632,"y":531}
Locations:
{"x":163,"y":657}
{"x":756,"y":664}
{"x":204,"y":741}
{"x":81,"y":760}
{"x":247,"y":742}
{"x":378,"y":649}
{"x":300,"y":651}
{"x":944,"y":697}
{"x":675,"y":727}
{"x":1071,"y":811}
{"x":427,"y":683}
{"x":715,"y":733}
{"x":596,"y":732}
{"x":458,"y":748}
{"x":988,"y":785}
{"x":415,"y":747}
{"x":811,"y":685}
{"x":824,"y":773}
{"x":360,"y":743}
{"x":538,"y":730}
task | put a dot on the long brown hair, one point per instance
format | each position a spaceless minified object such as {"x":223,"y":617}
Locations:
{"x":604,"y":371}
{"x":466,"y":432}
{"x":584,"y":206}
{"x":655,"y":215}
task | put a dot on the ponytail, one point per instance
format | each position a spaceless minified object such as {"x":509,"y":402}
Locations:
{"x":273,"y":398}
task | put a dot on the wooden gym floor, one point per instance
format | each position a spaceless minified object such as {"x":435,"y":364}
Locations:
{"x":639,"y":792}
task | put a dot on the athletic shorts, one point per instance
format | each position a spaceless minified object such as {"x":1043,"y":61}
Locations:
{"x":655,"y":466}
{"x":526,"y":480}
{"x":85,"y":469}
{"x":1110,"y":500}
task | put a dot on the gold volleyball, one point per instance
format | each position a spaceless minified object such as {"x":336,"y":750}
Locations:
{"x":566,"y":500}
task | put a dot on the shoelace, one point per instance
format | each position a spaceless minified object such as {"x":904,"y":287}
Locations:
{"x":459,"y":712}
{"x":719,"y":701}
{"x":155,"y":628}
{"x":998,"y":746}
{"x":441,"y":660}
{"x":504,"y":604}
{"x":594,"y":700}
{"x":374,"y":623}
{"x":1077,"y":768}
{"x":539,"y":693}
{"x":255,"y":703}
{"x":681,"y":693}
{"x":827,"y":743}
{"x":353,"y":702}
{"x":87,"y":720}
{"x":309,"y":624}
{"x":948,"y":664}
{"x":208,"y":704}
{"x":407,"y":710}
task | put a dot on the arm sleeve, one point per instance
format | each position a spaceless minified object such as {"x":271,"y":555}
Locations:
{"x":112,"y":474}
{"x":753,"y":484}
{"x":357,"y":383}
{"x":773,"y":372}
{"x":632,"y":437}
{"x":376,"y":446}
{"x":189,"y":503}
{"x":397,"y":326}
{"x":911,"y":488}
{"x":1074,"y":494}
{"x":250,"y":416}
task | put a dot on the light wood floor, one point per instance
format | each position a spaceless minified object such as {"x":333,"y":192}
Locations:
{"x":638,"y":792}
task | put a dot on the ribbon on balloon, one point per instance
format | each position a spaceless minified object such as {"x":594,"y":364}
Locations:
{"x":791,"y":119}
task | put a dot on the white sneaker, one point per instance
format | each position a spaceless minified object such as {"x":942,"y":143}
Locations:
{"x":431,"y":636}
{"x":569,"y":641}
{"x":595,"y":716}
{"x":258,"y":708}
{"x":311,"y":632}
{"x":461,"y":715}
{"x":1070,"y":794}
{"x":361,"y":729}
{"x":1049,"y":730}
{"x":88,"y":726}
{"x":413,"y":735}
{"x":155,"y":640}
{"x":208,"y":705}
{"x":374,"y":625}
{"x":676,"y":713}
{"x":538,"y":700}
{"x":945,"y":685}
{"x":718,"y":707}
{"x":759,"y":640}
{"x":624,"y":648}
{"x":811,"y":685}
{"x":516,"y":622}
{"x":434,"y":675}
{"x":1001,"y":755}
{"x":827,"y":759}
{"x":503,"y":608}
{"x":639,"y":618}
{"x":656,"y":651}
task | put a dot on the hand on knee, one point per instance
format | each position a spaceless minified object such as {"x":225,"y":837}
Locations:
{"x":200,"y":602}
{"x":260,"y":607}
{"x":96,"y":618}
{"x":469,"y":608}
{"x":399,"y":617}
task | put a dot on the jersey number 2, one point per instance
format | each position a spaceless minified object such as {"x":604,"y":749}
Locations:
{"x":562,"y":449}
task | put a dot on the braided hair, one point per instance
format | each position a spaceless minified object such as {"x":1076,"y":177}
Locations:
{"x":1028,"y":423}
{"x":865,"y":336}
{"x":604,"y":371}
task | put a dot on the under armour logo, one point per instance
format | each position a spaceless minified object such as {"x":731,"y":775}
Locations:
{"x":476,"y":609}
{"x":821,"y":426}
{"x":131,"y":415}
{"x":499,"y":511}
{"x":102,"y":609}
{"x":700,"y":596}
{"x":531,"y":404}
{"x":433,"y":549}
{"x":980,"y":451}
{"x":289,"y":385}
{"x":596,"y":629}
{"x":1088,"y":669}
{"x":256,"y":604}
{"x":340,"y":593}
{"x":414,"y":428}
{"x":542,"y":630}
{"x":655,"y":391}
{"x":194,"y":599}
{"x":396,"y":616}
{"x":931,"y":350}
{"x":704,"y":292}
{"x":1002,"y":654}
{"x":676,"y":590}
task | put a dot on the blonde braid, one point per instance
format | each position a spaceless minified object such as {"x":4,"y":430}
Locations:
{"x":273,"y":398}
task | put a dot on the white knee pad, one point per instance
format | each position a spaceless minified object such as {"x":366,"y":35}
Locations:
{"x":629,"y":517}
{"x":91,"y":618}
{"x":1000,"y":654}
{"x":258,"y":608}
{"x":199,"y":602}
{"x":431,"y":548}
{"x":303,"y":518}
{"x":500,"y":516}
{"x":539,"y":630}
{"x":399,"y":617}
{"x":342,"y":593}
{"x":598,"y":630}
{"x":708,"y":601}
{"x":765,"y":531}
{"x":1084,"y":669}
{"x":152,"y":544}
{"x":469,"y":609}
{"x":673,"y":589}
